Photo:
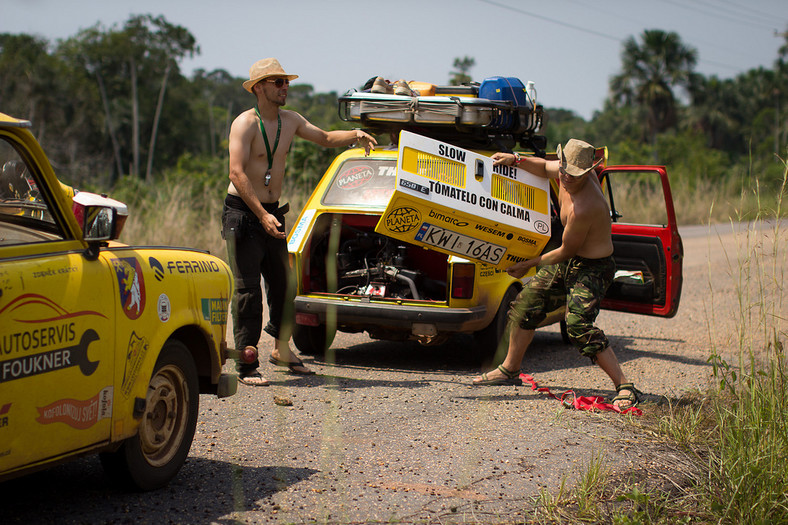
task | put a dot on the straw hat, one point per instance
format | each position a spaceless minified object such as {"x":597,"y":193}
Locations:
{"x":577,"y":157}
{"x":262,"y":69}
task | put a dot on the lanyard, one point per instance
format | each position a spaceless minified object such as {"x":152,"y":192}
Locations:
{"x":265,"y":140}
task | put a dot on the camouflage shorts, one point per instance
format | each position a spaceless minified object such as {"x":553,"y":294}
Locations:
{"x":579,"y":284}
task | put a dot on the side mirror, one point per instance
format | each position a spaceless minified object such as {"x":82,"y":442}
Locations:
{"x":101,"y":218}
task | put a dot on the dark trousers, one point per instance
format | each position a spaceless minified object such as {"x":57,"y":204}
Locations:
{"x":253,"y":253}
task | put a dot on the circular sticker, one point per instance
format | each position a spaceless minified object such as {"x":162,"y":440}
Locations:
{"x":402,"y":220}
{"x":163,"y":308}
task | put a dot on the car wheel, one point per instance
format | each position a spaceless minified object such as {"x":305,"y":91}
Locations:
{"x":154,"y":456}
{"x":312,"y":340}
{"x":493,"y":339}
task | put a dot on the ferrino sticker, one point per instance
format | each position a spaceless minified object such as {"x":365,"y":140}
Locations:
{"x":158,"y":269}
{"x":132,"y":286}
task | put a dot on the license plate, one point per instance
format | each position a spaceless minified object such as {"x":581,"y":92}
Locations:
{"x":460,"y":244}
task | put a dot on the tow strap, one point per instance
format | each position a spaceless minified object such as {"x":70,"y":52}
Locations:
{"x":571,"y":400}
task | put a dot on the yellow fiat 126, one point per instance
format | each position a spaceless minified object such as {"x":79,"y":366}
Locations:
{"x":104,"y":348}
{"x":412,"y":241}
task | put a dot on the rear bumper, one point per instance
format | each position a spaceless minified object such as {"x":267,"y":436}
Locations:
{"x":362,"y":313}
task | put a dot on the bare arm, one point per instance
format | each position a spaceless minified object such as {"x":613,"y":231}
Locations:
{"x":240,"y":147}
{"x":337,"y":138}
{"x":575,"y":233}
{"x":547,"y":169}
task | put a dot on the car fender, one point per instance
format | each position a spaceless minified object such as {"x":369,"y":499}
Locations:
{"x":159,"y":295}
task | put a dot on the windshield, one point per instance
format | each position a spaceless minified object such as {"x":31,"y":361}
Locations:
{"x":24,"y":213}
{"x":362,"y":182}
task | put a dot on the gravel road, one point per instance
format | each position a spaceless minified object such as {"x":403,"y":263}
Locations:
{"x":394,"y":433}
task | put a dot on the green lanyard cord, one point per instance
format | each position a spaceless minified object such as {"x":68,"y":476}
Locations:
{"x":267,"y":147}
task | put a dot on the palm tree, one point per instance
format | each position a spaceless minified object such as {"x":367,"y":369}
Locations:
{"x":715,"y":111}
{"x":649,"y":74}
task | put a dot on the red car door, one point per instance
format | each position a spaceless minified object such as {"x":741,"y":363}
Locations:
{"x":647,"y":245}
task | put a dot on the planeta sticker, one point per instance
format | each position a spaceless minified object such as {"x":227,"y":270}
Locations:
{"x":402,"y":220}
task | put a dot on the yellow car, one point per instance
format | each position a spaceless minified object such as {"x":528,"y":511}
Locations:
{"x":104,"y":348}
{"x":353,"y":276}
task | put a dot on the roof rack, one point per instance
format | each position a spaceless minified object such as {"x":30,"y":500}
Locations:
{"x":454,"y":114}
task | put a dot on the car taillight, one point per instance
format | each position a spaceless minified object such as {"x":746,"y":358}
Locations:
{"x":462,"y":276}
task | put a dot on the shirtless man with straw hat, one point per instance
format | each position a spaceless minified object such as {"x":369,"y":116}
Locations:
{"x":576,"y":274}
{"x":253,"y":220}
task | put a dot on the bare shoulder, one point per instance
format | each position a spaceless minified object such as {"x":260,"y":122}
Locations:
{"x":590,"y":205}
{"x":292,"y":118}
{"x":245,"y":121}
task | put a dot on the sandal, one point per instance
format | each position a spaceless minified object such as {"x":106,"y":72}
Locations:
{"x":510,"y":378}
{"x":292,"y":366}
{"x":253,"y":379}
{"x":632,"y":397}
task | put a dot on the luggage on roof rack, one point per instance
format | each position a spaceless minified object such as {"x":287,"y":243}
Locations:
{"x":498,"y":111}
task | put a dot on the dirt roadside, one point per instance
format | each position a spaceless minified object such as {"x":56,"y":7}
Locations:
{"x":395,"y":433}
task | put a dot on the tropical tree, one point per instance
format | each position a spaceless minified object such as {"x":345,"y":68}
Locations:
{"x":650,"y":73}
{"x":132,"y":66}
{"x":713,"y":112}
{"x":161,"y":45}
{"x":38,"y":86}
{"x":460,"y":76}
{"x":28,"y":74}
{"x":219,"y":98}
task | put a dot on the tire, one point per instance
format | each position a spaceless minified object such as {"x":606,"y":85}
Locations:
{"x":493,"y":339}
{"x":312,"y":340}
{"x":154,"y":456}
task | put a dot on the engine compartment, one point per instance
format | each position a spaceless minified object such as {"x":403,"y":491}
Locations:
{"x":365,"y":263}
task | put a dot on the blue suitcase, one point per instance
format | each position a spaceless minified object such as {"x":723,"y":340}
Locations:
{"x":504,"y":88}
{"x":512,"y":90}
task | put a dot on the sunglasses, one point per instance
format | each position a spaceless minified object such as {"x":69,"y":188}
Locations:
{"x":279,"y":82}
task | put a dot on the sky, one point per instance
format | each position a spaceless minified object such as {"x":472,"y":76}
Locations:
{"x":569,"y":48}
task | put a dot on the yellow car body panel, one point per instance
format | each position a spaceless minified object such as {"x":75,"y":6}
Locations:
{"x":83,"y":323}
